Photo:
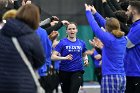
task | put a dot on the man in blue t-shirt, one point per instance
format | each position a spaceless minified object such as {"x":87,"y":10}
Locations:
{"x":132,"y":57}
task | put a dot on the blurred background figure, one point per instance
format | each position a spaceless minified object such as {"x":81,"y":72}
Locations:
{"x":15,"y":76}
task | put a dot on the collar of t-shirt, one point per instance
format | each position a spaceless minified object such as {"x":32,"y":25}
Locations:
{"x":135,"y":23}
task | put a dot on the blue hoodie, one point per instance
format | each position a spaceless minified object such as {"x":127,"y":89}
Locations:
{"x":47,"y":46}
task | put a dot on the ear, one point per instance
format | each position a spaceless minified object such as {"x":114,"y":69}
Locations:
{"x":134,"y":12}
{"x":76,"y":29}
{"x":66,"y":32}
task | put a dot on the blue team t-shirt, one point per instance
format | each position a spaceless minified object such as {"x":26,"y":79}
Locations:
{"x":132,"y":57}
{"x":76,"y":48}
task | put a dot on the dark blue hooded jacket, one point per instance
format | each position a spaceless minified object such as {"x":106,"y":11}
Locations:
{"x":14,"y":74}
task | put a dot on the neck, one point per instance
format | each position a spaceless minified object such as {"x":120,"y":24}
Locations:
{"x":73,"y":39}
{"x":136,"y":18}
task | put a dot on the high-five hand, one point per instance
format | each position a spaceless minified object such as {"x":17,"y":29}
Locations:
{"x":87,"y":7}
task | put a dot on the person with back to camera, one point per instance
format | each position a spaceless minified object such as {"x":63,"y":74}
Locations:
{"x":15,"y":77}
{"x":114,"y":46}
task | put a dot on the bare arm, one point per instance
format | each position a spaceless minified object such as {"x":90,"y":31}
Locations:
{"x":98,"y":57}
{"x":85,"y":58}
{"x":56,"y":56}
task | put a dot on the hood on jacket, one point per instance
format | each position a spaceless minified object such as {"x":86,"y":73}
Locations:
{"x":15,"y":28}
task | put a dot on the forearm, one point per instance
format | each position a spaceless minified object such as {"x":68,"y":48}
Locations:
{"x":100,"y":20}
{"x":55,"y":27}
{"x":105,"y":37}
{"x":45,"y":26}
{"x":55,"y":57}
{"x":95,"y":27}
{"x":44,"y":22}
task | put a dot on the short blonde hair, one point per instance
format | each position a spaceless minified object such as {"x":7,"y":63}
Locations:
{"x":9,"y":14}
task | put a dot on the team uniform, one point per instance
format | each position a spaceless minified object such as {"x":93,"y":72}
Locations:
{"x":71,"y":71}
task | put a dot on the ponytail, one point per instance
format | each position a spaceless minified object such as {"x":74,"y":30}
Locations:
{"x":117,"y":33}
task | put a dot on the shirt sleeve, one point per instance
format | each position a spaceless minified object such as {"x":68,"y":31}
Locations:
{"x":84,"y":48}
{"x":58,"y":47}
{"x":134,"y":36}
{"x":105,"y":37}
{"x":99,"y":19}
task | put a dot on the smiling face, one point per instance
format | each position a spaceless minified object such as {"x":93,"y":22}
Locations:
{"x":72,"y":30}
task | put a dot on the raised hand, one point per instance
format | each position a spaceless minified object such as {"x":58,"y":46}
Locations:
{"x":55,"y":18}
{"x":65,"y":22}
{"x":92,"y":42}
{"x":96,"y":43}
{"x":93,"y":9}
{"x":87,"y":7}
{"x":53,"y":23}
